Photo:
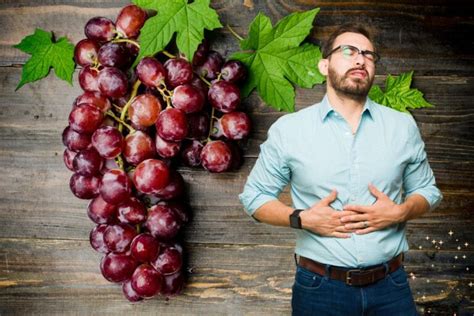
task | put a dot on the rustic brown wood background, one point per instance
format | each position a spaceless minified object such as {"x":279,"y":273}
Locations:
{"x":238,"y":267}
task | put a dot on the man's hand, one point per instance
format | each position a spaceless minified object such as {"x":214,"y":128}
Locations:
{"x":324,"y":220}
{"x":383,"y":213}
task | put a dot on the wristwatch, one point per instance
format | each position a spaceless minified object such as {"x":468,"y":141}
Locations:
{"x":295,"y":220}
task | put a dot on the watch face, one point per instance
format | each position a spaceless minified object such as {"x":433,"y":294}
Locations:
{"x":295,"y":221}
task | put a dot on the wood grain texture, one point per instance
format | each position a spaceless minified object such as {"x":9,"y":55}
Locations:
{"x":238,"y":267}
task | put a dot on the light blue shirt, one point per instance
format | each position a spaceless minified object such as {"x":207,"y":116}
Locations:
{"x":315,"y":150}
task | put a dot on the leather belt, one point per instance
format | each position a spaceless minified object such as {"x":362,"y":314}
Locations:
{"x":353,"y":277}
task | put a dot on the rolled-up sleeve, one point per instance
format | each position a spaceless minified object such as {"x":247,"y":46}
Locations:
{"x":418,"y":176}
{"x":269,"y":175}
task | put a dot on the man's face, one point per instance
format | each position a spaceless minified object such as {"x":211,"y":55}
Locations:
{"x":351,"y":75}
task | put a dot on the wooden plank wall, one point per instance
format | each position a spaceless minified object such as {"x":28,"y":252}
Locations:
{"x":237,"y":266}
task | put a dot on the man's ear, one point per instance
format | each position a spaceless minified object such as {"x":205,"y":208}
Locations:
{"x":323,"y":65}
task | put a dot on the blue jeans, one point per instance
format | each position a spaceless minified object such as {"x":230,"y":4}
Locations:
{"x":314,"y":294}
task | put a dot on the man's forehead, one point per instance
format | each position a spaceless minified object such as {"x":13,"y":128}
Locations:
{"x":354,"y":39}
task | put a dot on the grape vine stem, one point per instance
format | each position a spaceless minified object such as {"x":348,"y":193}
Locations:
{"x":121,"y":122}
{"x":167,"y":54}
{"x":211,"y":126}
{"x":124,"y":112}
{"x":126,"y":40}
{"x":205,"y":80}
{"x":240,"y":38}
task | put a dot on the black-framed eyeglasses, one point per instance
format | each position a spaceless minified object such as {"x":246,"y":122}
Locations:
{"x":352,"y":52}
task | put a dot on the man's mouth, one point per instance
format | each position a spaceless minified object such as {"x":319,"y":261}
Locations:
{"x":358,"y":73}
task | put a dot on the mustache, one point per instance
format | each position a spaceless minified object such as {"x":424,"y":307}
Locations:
{"x":358,"y":69}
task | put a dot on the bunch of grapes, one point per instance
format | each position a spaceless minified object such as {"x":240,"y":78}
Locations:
{"x":127,"y":134}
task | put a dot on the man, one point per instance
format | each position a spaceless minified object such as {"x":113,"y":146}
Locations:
{"x":358,"y":171}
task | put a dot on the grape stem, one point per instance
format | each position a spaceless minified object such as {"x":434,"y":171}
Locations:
{"x":205,"y":80}
{"x":122,"y":123}
{"x":167,"y":54}
{"x":240,"y":38}
{"x":126,"y":40}
{"x":119,"y":162}
{"x":124,"y":112}
{"x":211,"y":126}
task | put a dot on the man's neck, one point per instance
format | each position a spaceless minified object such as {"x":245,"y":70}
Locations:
{"x":349,"y":108}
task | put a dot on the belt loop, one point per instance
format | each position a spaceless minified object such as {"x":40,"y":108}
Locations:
{"x":387,"y":268}
{"x":296,"y":259}
{"x":327,"y":271}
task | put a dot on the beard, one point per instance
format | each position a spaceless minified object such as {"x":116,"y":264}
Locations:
{"x":353,"y":88}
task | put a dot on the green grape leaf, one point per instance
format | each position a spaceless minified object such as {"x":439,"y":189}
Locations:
{"x":45,"y":53}
{"x":398,"y":95}
{"x":276,"y":60}
{"x":188,"y":20}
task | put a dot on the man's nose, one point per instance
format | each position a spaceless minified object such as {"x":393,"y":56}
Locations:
{"x":360,"y":60}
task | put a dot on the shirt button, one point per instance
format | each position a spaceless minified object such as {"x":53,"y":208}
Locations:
{"x":353,"y":198}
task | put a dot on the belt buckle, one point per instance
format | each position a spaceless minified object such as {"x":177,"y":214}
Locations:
{"x":349,"y":277}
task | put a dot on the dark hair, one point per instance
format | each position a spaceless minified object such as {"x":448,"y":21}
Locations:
{"x":345,"y":28}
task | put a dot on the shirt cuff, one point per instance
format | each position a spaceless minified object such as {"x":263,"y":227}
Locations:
{"x":252,"y":200}
{"x":432,"y":195}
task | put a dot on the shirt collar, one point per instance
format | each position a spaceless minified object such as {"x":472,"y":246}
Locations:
{"x":325,"y":108}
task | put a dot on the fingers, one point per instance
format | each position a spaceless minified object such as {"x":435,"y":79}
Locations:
{"x":354,"y":218}
{"x":375,"y":192}
{"x":340,"y":235}
{"x":328,"y":199}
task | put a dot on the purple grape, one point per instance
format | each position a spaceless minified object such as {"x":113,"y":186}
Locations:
{"x":116,"y":186}
{"x":132,"y":211}
{"x":100,"y":29}
{"x":138,"y":147}
{"x":180,"y":210}
{"x":233,"y":71}
{"x":145,"y":248}
{"x":151,"y":176}
{"x":173,"y":284}
{"x":96,"y":238}
{"x":144,"y":110}
{"x":101,"y":212}
{"x":88,"y":162}
{"x":130,"y":293}
{"x":117,"y":267}
{"x":188,"y":98}
{"x":114,"y":55}
{"x":235,"y":125}
{"x":151,"y":72}
{"x":165,"y":148}
{"x":172,"y":125}
{"x":68,"y":158}
{"x":191,"y":153}
{"x":169,"y":261}
{"x":108,"y":141}
{"x":85,"y":118}
{"x":224,"y":96}
{"x":75,"y":141}
{"x":162,"y":222}
{"x":178,"y":72}
{"x":211,"y":66}
{"x":84,"y":187}
{"x":130,"y":20}
{"x":89,"y":79}
{"x":201,"y":53}
{"x":112,"y":82}
{"x":94,"y":98}
{"x":86,"y":52}
{"x":198,"y":125}
{"x":174,"y":189}
{"x":146,"y":281}
{"x":119,"y":237}
{"x":216,"y":156}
